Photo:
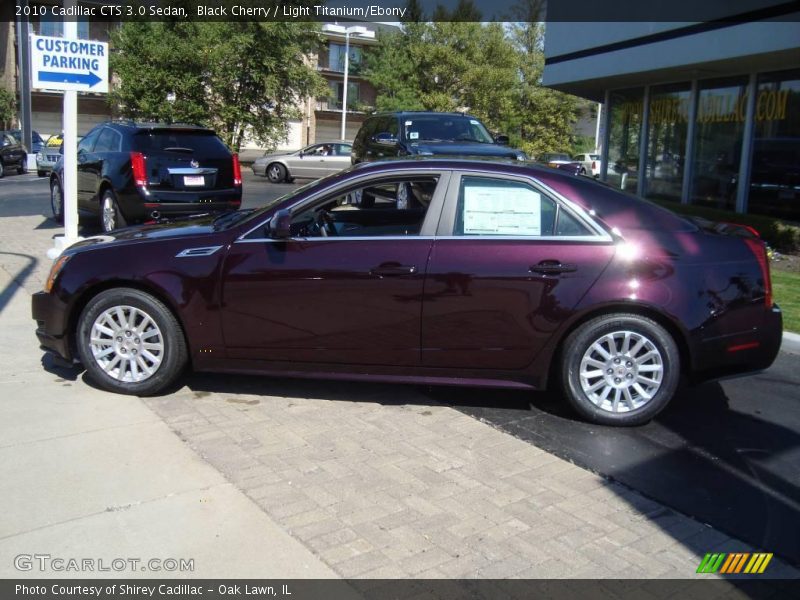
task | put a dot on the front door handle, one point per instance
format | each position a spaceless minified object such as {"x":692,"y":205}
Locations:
{"x":553,"y":267}
{"x":392,"y":269}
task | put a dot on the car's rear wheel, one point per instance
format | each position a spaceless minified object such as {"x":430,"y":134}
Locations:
{"x":2,"y":169}
{"x":22,"y":169}
{"x":620,"y":369}
{"x":130,"y":342}
{"x":111,"y":216}
{"x":276,"y":172}
{"x":57,"y":201}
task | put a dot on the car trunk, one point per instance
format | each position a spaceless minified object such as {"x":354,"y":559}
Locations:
{"x":185,"y":160}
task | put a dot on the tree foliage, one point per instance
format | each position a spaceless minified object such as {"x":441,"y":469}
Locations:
{"x":240,"y":78}
{"x":8,"y":107}
{"x":491,"y":70}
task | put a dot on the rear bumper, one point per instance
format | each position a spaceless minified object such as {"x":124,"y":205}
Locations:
{"x":51,"y":324}
{"x":742,"y":353}
{"x":141,"y":207}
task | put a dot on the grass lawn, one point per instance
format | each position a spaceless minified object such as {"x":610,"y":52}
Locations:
{"x":786,"y":290}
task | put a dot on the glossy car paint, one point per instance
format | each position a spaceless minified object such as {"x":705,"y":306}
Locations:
{"x":472,"y":312}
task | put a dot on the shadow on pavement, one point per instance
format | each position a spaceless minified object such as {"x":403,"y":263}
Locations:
{"x":18,"y":280}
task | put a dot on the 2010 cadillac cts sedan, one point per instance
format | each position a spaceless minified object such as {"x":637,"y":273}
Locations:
{"x":436,"y":271}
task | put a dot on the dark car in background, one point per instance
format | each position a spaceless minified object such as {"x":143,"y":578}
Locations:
{"x":134,"y":172}
{"x":493,"y":274}
{"x":12,"y":154}
{"x":414,"y":133}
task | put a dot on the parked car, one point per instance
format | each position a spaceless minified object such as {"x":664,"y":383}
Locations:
{"x":562,"y":161}
{"x":12,"y":154}
{"x":37,"y":143}
{"x":46,"y":160}
{"x":495,"y":274}
{"x":317,"y":160}
{"x":428,"y":134}
{"x":133,"y":172}
{"x":590,"y":162}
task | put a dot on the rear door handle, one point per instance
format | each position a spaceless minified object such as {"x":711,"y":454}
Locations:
{"x":553,"y":267}
{"x":393,"y":270}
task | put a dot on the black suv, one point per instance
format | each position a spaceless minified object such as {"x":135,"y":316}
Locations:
{"x":134,"y":172}
{"x":12,"y":154}
{"x":426,"y":134}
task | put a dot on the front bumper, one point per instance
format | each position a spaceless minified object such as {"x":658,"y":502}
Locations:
{"x":51,"y":324}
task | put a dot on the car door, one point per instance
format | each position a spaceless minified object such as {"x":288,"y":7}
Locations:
{"x":340,"y":159}
{"x":307,"y":163}
{"x":353,"y":298}
{"x":108,"y":142}
{"x":87,"y":180}
{"x":510,"y":262}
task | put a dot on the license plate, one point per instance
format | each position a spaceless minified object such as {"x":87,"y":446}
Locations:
{"x":194,"y":180}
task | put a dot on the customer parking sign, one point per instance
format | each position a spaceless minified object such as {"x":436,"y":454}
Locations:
{"x":63,"y":64}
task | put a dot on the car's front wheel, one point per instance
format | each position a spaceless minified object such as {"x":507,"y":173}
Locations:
{"x":22,"y":169}
{"x":620,"y":369}
{"x":2,"y":169}
{"x":57,"y":201}
{"x":130,"y":342}
{"x":276,"y":173}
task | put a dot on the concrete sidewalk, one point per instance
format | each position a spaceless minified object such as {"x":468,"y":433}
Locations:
{"x":87,"y":474}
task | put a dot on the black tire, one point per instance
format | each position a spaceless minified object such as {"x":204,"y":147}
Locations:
{"x":22,"y":169}
{"x":41,"y":173}
{"x":174,"y":355}
{"x":275,"y":172}
{"x":2,"y":169}
{"x":109,"y":221}
{"x":57,"y":201}
{"x":578,"y":344}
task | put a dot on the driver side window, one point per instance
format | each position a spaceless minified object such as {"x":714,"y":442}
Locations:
{"x":378,"y":209}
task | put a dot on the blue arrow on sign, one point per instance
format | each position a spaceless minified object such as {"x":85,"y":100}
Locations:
{"x":90,"y":79}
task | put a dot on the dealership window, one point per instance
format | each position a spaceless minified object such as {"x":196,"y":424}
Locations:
{"x":336,"y":54}
{"x":719,"y":128}
{"x":624,"y":135}
{"x":54,"y":27}
{"x":337,"y":93}
{"x":668,"y":125}
{"x":775,"y":166}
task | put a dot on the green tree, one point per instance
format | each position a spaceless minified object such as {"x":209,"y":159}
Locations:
{"x":240,"y":79}
{"x":8,"y":107}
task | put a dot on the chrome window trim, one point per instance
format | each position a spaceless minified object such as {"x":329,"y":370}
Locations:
{"x":496,"y":238}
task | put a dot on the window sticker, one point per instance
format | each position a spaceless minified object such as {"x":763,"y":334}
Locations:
{"x":413,"y":135}
{"x":494,"y":210}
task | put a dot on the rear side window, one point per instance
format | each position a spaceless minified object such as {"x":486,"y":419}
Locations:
{"x":498,"y":207}
{"x":200,"y":143}
{"x":108,"y":141}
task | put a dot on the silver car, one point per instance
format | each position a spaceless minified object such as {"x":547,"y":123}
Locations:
{"x":312,"y":162}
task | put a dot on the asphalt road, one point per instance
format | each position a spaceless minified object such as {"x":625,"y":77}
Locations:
{"x":726,"y":453}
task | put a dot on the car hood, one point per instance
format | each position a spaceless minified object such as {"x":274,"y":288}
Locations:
{"x":465,"y":149}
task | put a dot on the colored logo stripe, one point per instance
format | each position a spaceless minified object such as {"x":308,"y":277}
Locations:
{"x":734,"y":562}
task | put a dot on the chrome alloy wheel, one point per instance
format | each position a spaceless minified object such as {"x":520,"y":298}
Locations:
{"x":127,"y":344}
{"x":274,"y":173}
{"x":109,"y":214}
{"x":621,"y":371}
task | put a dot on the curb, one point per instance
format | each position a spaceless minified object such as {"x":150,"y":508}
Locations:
{"x":791,"y":342}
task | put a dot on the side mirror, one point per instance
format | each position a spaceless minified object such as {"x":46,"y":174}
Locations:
{"x":384,"y":139}
{"x":502,"y":140}
{"x":280,"y":226}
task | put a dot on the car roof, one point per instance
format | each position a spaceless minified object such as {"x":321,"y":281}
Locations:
{"x":130,"y":124}
{"x":418,"y":113}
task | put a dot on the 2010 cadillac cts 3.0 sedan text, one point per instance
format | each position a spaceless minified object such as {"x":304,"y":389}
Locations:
{"x":436,"y":271}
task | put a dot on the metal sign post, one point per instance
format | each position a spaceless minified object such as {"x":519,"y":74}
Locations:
{"x":72,"y":65}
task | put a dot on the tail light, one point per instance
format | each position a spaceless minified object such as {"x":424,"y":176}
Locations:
{"x":758,"y":248}
{"x":237,"y":171}
{"x":594,"y":165}
{"x":139,"y":170}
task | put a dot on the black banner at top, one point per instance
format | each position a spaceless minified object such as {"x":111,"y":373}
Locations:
{"x":393,"y":11}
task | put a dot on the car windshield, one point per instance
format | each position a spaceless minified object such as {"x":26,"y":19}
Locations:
{"x":445,"y":128}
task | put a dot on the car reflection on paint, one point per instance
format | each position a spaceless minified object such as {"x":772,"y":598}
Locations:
{"x":438,"y":271}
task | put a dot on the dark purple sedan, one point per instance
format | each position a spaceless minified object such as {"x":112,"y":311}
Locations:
{"x":437,"y":271}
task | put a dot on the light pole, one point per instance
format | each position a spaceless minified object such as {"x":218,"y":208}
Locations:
{"x":356,"y":30}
